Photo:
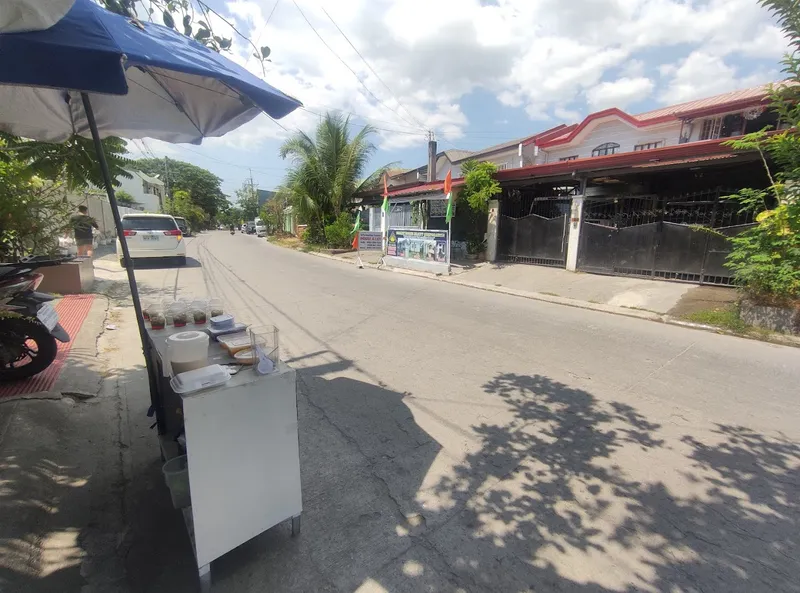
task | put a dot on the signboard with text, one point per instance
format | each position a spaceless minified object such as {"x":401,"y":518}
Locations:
{"x":418,"y":244}
{"x":370,"y":241}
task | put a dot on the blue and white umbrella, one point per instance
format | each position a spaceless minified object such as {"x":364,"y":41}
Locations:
{"x":96,"y":74}
{"x":144,"y":80}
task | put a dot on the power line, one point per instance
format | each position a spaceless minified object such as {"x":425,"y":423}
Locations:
{"x":346,"y":65}
{"x":418,"y":133}
{"x":271,"y":12}
{"x":371,"y":69}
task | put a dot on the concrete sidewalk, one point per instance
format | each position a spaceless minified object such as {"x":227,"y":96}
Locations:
{"x":593,"y":291}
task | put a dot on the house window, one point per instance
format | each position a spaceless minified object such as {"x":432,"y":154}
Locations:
{"x":502,"y":166}
{"x":605,"y":149}
{"x":568,"y":158}
{"x":649,"y":145}
{"x":723,"y":127}
{"x":711,"y":128}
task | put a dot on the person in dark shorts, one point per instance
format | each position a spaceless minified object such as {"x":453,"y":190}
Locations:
{"x":82,"y":225}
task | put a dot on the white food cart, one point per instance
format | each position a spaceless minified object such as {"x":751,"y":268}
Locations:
{"x":242,"y":449}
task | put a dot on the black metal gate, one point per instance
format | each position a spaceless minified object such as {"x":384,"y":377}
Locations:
{"x":661,"y":237}
{"x":533,"y":229}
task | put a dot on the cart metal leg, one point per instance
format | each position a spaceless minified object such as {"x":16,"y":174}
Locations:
{"x":296,"y":525}
{"x":204,"y":572}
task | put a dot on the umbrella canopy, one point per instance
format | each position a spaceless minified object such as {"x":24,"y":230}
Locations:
{"x":145,"y":81}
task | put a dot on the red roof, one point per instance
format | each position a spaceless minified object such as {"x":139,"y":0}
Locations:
{"x":424,"y":188}
{"x":625,"y":159}
{"x":717,"y":104}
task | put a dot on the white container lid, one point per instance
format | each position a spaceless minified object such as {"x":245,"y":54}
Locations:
{"x":220,"y":321}
{"x":187,"y":346}
{"x":203,"y":378}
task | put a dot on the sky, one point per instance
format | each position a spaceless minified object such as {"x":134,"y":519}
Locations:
{"x":475,"y":72}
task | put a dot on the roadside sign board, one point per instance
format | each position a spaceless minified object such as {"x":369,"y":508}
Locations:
{"x":370,"y":241}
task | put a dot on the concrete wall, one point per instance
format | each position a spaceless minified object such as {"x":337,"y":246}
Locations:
{"x":508,"y":157}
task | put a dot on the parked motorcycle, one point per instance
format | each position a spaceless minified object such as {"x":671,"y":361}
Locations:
{"x":29,"y":324}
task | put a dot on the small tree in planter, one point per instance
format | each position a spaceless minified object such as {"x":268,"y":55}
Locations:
{"x":479,"y":187}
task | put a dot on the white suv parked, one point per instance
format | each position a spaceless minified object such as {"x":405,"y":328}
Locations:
{"x":152,"y":235}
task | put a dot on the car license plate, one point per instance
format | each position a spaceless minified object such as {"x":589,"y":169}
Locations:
{"x":150,"y":237}
{"x":48,"y":316}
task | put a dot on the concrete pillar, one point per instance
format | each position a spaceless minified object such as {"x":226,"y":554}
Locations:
{"x":491,"y":230}
{"x":576,"y":216}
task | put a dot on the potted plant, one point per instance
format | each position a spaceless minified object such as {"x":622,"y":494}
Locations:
{"x":476,"y":248}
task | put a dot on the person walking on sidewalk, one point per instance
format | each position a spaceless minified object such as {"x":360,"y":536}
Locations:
{"x":82,"y":225}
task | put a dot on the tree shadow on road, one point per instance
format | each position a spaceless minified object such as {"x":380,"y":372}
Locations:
{"x":551,"y":503}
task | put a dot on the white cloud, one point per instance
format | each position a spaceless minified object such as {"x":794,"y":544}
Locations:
{"x":702,"y":75}
{"x":619,"y":93}
{"x":539,"y":56}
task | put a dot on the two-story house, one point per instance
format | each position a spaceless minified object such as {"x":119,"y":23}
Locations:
{"x":147,"y":191}
{"x":627,"y":194}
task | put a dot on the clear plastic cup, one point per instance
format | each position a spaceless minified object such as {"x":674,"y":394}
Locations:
{"x":264,"y":340}
{"x":199,"y":309}
{"x":215,"y":307}
{"x":180,"y":314}
{"x":157,"y":317}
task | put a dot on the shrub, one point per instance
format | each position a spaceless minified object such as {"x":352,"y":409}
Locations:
{"x":337,"y":234}
{"x":313,"y":234}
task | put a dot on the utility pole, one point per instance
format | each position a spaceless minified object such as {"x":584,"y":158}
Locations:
{"x":166,"y":184}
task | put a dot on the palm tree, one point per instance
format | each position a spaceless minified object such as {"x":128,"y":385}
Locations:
{"x":328,"y":170}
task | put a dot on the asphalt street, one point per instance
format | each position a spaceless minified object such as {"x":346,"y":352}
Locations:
{"x":454,"y":439}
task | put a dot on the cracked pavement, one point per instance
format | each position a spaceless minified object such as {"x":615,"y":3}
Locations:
{"x":460,"y":440}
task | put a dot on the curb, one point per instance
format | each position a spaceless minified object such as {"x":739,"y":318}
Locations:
{"x":778,"y":339}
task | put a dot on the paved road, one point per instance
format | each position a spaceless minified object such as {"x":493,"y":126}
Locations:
{"x":454,"y":439}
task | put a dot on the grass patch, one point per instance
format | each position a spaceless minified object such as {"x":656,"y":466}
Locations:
{"x":290,"y":242}
{"x":725,"y":317}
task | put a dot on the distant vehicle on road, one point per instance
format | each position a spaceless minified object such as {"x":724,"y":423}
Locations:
{"x":152,"y":235}
{"x":261,"y":228}
{"x":250,"y":227}
{"x":183,"y":226}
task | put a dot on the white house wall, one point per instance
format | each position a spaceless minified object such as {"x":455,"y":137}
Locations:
{"x":620,"y":132}
{"x":134,"y":186}
{"x":508,"y":157}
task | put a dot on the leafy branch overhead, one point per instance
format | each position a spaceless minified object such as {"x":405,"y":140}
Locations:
{"x":193,"y":18}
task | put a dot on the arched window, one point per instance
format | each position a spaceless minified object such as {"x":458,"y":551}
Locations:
{"x":605,"y":149}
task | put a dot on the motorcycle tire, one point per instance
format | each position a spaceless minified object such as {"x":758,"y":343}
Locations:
{"x":16,"y":333}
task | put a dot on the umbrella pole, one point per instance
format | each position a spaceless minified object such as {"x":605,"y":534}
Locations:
{"x":137,"y":305}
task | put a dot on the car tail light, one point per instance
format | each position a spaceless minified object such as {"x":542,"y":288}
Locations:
{"x":175,"y":233}
{"x":129,"y":233}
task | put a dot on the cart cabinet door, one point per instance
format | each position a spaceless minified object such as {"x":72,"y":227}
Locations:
{"x":244,"y":460}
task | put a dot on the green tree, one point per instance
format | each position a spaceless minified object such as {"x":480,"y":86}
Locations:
{"x":181,"y":204}
{"x":125,"y":199}
{"x":328,"y":170}
{"x":33,"y":212}
{"x":479,"y":185}
{"x":74,"y":161}
{"x":272,"y":210}
{"x":765,"y":259}
{"x":203,"y":186}
{"x":247,"y":200}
